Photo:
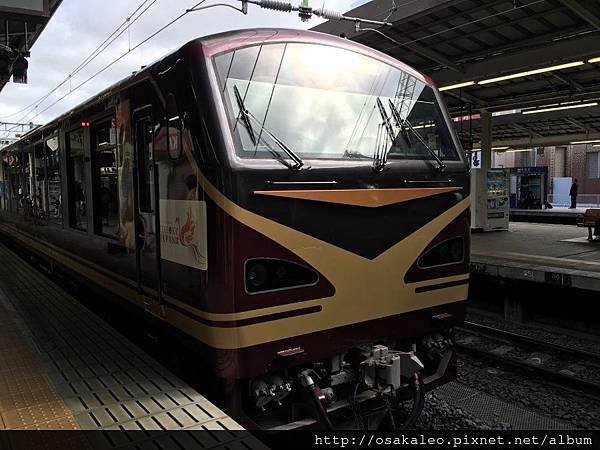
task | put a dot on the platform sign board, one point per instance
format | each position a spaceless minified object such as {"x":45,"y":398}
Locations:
{"x":476,"y":159}
{"x":25,"y":7}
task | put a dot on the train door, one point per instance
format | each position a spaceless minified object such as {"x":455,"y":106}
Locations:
{"x":146,"y":212}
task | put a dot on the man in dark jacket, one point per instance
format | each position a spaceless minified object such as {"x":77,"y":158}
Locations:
{"x":573,"y":194}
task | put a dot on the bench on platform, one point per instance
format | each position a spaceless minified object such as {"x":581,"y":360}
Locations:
{"x":590,"y":217}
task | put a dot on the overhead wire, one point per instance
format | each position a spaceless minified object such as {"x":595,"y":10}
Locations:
{"x":124,"y":26}
{"x":446,"y":30}
{"x":112,"y":63}
{"x":81,"y":67}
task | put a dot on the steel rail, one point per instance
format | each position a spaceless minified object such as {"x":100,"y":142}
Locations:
{"x":555,"y":377}
{"x":512,"y":336}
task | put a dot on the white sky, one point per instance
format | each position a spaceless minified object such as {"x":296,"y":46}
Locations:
{"x":79,"y":26}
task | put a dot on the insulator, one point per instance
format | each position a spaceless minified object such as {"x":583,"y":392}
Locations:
{"x":276,"y":4}
{"x":328,"y":14}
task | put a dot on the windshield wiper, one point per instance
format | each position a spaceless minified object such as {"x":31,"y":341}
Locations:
{"x":380,"y":158}
{"x":247,"y":115}
{"x":403,"y":123}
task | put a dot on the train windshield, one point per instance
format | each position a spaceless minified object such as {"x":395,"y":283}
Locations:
{"x":326,"y":103}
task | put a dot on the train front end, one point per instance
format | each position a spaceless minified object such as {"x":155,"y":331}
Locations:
{"x":348,"y":195}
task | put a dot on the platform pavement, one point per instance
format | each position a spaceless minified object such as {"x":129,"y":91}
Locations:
{"x":64,"y":368}
{"x":545,"y":253}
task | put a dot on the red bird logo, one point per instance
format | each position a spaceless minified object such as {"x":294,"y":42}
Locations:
{"x":186,"y":232}
{"x":187,"y":235}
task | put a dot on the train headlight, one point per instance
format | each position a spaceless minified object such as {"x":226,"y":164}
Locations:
{"x":268,"y":274}
{"x":257,"y":275}
{"x":447,"y":252}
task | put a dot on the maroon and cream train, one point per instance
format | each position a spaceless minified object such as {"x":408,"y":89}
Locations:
{"x":295,"y":203}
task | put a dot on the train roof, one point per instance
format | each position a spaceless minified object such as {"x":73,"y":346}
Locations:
{"x":230,"y":40}
{"x":221,"y":42}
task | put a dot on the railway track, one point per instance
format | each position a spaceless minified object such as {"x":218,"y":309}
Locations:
{"x":561,"y":365}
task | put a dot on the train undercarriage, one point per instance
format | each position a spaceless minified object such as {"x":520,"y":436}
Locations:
{"x":369,"y":387}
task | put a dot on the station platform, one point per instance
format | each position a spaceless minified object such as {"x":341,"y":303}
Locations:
{"x":544,"y":253}
{"x":557,"y":215}
{"x":63,"y":368}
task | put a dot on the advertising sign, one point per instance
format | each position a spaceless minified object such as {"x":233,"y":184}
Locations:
{"x":183,"y":232}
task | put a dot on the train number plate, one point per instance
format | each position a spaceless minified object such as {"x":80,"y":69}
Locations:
{"x":553,"y":278}
{"x":478,"y":267}
{"x":528,"y":274}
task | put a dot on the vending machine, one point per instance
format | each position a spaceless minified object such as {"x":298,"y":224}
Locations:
{"x":490,"y":199}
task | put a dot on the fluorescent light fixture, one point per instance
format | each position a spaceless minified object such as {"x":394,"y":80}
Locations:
{"x":427,"y":125}
{"x":589,"y":141}
{"x":519,"y":150}
{"x":531,"y":72}
{"x":596,"y":145}
{"x":456,"y":86}
{"x":493,"y":148}
{"x":594,"y":60}
{"x":558,"y":108}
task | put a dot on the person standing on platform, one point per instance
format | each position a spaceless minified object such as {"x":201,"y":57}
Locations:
{"x":573,"y":194}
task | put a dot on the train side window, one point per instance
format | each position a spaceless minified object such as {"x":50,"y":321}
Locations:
{"x":38,"y":188}
{"x":53,"y":186}
{"x":15,"y":176}
{"x":25,"y":201}
{"x":145,"y":163}
{"x":105,"y":176}
{"x":3,"y":182}
{"x":76,"y":180}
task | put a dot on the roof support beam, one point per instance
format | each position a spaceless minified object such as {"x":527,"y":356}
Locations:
{"x":526,"y":130}
{"x":543,"y":98}
{"x":579,"y":8}
{"x":432,"y":55}
{"x":514,"y":46}
{"x":577,"y":123}
{"x":559,"y":51}
{"x":565,"y":79}
{"x":470,"y":98}
{"x":561,"y":139}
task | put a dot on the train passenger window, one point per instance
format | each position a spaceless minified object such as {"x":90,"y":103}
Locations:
{"x":105,"y":178}
{"x":38,"y":188}
{"x":3,"y":183}
{"x":15,"y":177}
{"x":53,"y":187}
{"x":145,"y":163}
{"x":76,"y":180}
{"x":25,"y":187}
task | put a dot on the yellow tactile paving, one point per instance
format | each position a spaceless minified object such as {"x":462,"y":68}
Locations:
{"x":25,"y":399}
{"x":28,"y":399}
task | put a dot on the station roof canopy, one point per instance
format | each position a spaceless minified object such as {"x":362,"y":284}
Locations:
{"x":540,"y":130}
{"x":548,"y":50}
{"x":21,"y":23}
